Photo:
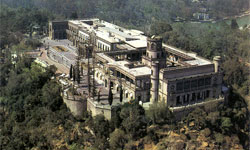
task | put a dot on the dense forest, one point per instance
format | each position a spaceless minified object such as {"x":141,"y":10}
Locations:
{"x":32,"y":113}
{"x":134,"y":12}
{"x":33,"y":116}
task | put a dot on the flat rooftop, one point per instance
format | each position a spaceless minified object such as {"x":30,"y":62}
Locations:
{"x":134,"y":71}
{"x":110,"y":32}
{"x":197,"y":59}
{"x":130,"y":38}
{"x":137,"y":71}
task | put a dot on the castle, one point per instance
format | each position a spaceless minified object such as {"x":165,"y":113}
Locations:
{"x":148,"y":70}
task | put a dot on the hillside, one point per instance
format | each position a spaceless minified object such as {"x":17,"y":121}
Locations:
{"x":32,"y":113}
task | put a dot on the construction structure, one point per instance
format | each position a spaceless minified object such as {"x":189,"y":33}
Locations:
{"x":146,"y":69}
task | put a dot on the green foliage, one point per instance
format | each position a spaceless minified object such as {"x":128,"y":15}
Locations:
{"x":110,"y":96}
{"x":52,"y":90}
{"x":160,"y":28}
{"x":74,"y":74}
{"x":19,"y":21}
{"x":129,"y":12}
{"x":100,"y":127}
{"x":219,"y":138}
{"x":74,"y":15}
{"x":4,"y":75}
{"x":121,"y":93}
{"x":71,"y":71}
{"x":116,"y":120}
{"x":33,"y":105}
{"x":32,"y":100}
{"x":226,"y":125}
{"x":234,"y":24}
{"x":133,"y":120}
{"x":75,"y":147}
{"x":117,"y":139}
{"x":198,"y":116}
{"x":235,"y":72}
{"x":160,"y":114}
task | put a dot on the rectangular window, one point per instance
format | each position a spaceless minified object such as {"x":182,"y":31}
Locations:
{"x":184,"y":99}
{"x":200,"y":82}
{"x":179,"y":86}
{"x":194,"y":84}
{"x":199,"y":96}
{"x":186,"y":85}
{"x":193,"y":97}
{"x":207,"y":93}
{"x":178,"y":100}
{"x":188,"y":96}
{"x":203,"y":95}
{"x":138,"y":83}
{"x":208,"y":81}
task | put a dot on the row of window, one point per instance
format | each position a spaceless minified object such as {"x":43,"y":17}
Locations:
{"x":184,"y":99}
{"x":103,"y":47}
{"x":187,"y":85}
{"x":84,"y":37}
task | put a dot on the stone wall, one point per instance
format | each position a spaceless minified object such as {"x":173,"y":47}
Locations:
{"x":77,"y":107}
{"x":97,"y":109}
{"x":180,"y":112}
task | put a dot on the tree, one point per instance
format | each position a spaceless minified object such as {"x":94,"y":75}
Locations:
{"x":51,"y":70}
{"x":118,"y":139}
{"x":160,"y":114}
{"x":116,"y":120}
{"x":100,"y":127}
{"x":226,"y":125}
{"x":234,"y":24}
{"x":51,"y":96}
{"x":78,"y":76}
{"x":110,"y":97}
{"x":160,"y":27}
{"x":198,"y":116}
{"x":133,"y":120}
{"x":71,"y":71}
{"x":121,"y":93}
{"x":74,"y":74}
{"x":74,"y":15}
{"x":77,"y":70}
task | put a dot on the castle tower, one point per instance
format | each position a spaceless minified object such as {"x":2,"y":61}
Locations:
{"x":156,"y":59}
{"x":217,"y":80}
{"x":217,"y":63}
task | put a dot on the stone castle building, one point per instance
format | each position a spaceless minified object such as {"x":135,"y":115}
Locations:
{"x":147,"y":69}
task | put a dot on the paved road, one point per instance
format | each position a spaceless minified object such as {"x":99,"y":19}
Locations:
{"x":60,"y":67}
